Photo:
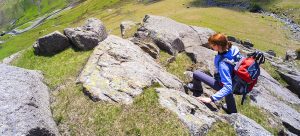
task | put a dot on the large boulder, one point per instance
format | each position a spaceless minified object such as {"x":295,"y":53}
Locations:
{"x":24,"y":103}
{"x":173,"y":36}
{"x":276,"y":99}
{"x":195,"y":115}
{"x":51,"y":44}
{"x":245,"y":126}
{"x":118,"y":70}
{"x":88,"y":36}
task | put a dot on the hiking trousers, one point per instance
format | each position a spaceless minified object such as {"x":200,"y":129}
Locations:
{"x":199,"y":76}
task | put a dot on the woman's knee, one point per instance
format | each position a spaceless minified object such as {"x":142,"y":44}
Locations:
{"x":197,"y":74}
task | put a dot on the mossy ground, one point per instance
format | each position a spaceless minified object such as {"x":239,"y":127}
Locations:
{"x":144,"y":117}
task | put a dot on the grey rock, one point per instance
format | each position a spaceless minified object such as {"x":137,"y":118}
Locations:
{"x":148,"y":47}
{"x":24,"y":103}
{"x":247,"y":43}
{"x":233,"y":39}
{"x":118,"y":70}
{"x":173,"y":36}
{"x":88,"y":36}
{"x":203,"y":57}
{"x":127,"y":25}
{"x":245,"y":126}
{"x":274,"y":98}
{"x":293,"y":79}
{"x":51,"y":44}
{"x":271,"y":52}
{"x":273,"y":87}
{"x":1,"y":42}
{"x":195,"y":115}
{"x":291,"y":55}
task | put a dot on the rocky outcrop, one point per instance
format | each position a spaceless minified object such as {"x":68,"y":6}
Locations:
{"x":245,"y":126}
{"x":88,"y":36}
{"x":172,"y":36}
{"x":118,"y":70}
{"x":271,"y":52}
{"x":126,"y":26}
{"x":195,"y":115}
{"x":293,"y":79}
{"x":291,"y":55}
{"x":24,"y":103}
{"x":51,"y":44}
{"x":274,"y":98}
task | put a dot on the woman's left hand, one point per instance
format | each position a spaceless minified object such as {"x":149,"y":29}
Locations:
{"x":204,"y":99}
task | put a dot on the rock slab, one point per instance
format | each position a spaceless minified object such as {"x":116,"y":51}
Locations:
{"x":195,"y":115}
{"x":173,"y":36}
{"x":245,"y":126}
{"x":24,"y":103}
{"x":118,"y":70}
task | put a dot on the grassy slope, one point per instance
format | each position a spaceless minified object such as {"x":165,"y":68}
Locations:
{"x":289,"y":7}
{"x":28,"y":10}
{"x":64,"y":67}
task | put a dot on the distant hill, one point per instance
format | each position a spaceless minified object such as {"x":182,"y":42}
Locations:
{"x":14,"y":13}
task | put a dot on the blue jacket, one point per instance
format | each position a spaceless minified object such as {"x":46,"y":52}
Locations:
{"x":225,"y":71}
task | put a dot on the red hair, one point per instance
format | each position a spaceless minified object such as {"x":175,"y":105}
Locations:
{"x":221,"y":40}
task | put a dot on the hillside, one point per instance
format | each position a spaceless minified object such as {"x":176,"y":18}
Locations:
{"x":14,"y":13}
{"x":75,"y":113}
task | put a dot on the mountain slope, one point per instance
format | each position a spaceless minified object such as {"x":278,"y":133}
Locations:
{"x":78,"y":115}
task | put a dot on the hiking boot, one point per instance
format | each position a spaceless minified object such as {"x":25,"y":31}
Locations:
{"x":190,"y":87}
{"x":225,"y":108}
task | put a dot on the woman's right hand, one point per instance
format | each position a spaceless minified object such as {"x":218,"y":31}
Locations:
{"x":204,"y":99}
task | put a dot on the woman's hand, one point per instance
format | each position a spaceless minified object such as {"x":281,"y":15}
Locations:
{"x":204,"y":99}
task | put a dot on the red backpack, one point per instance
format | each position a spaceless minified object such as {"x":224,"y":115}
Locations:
{"x":246,"y":72}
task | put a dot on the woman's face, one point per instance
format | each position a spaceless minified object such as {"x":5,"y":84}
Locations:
{"x":215,"y":47}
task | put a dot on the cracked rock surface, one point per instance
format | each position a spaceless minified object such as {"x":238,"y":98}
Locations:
{"x":245,"y":126}
{"x":118,"y":70}
{"x":173,"y":36}
{"x":24,"y":103}
{"x":195,"y":115}
{"x":274,"y":98}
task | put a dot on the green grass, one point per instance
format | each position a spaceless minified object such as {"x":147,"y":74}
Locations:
{"x":25,"y":25}
{"x":221,"y":129}
{"x":272,"y":71}
{"x":258,"y":115}
{"x":144,"y":117}
{"x":289,"y":7}
{"x":179,"y":66}
{"x":56,"y":69}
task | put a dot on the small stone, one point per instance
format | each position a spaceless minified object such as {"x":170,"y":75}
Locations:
{"x":271,"y":52}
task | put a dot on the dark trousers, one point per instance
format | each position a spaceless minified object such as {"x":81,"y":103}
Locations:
{"x":199,"y":76}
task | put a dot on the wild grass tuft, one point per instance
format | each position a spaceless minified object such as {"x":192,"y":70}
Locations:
{"x":221,"y":129}
{"x":181,"y":64}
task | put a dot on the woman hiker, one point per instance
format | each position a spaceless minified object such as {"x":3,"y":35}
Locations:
{"x":222,"y":80}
